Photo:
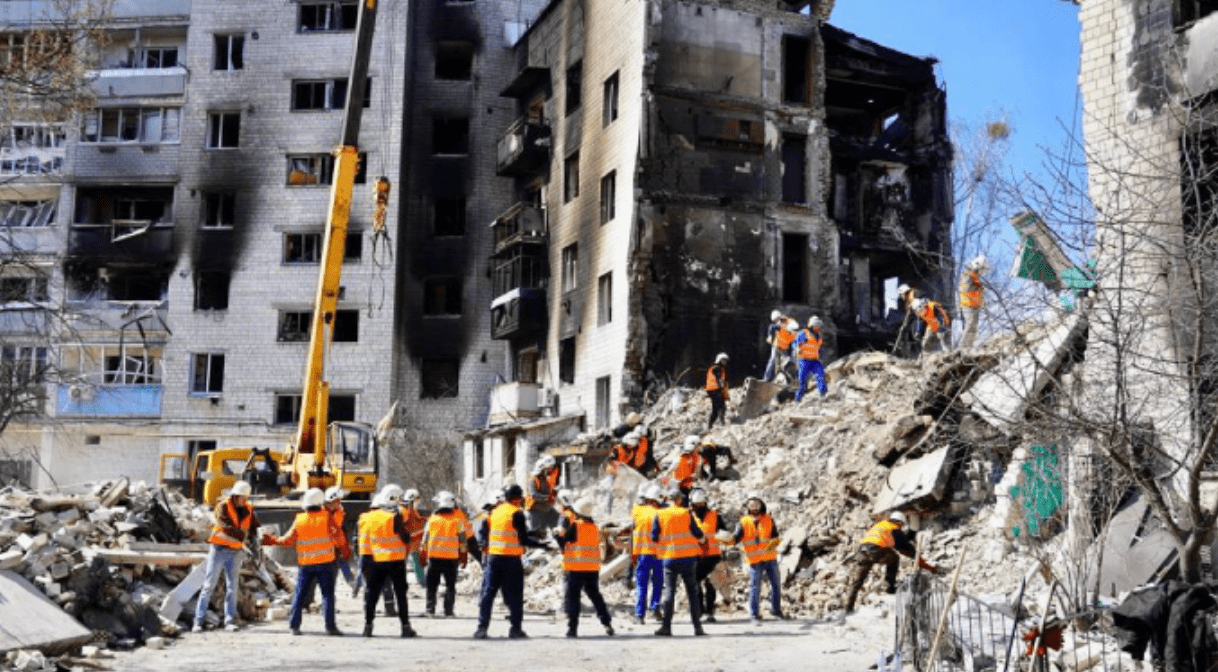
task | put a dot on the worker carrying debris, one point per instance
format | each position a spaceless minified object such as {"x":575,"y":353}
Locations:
{"x":880,"y":545}
{"x":543,"y":487}
{"x":442,"y":551}
{"x":313,"y":534}
{"x":716,"y":389}
{"x":936,"y":322}
{"x":679,"y":543}
{"x":972,"y":297}
{"x":759,"y":537}
{"x":780,"y":336}
{"x":384,"y":543}
{"x":235,"y":522}
{"x":580,"y":539}
{"x":647,"y":569}
{"x":503,"y":537}
{"x":711,"y":524}
{"x":807,"y":348}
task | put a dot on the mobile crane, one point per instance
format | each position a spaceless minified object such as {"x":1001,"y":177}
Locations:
{"x":347,"y":455}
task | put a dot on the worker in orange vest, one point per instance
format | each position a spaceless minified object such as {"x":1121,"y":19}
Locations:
{"x":679,"y":543}
{"x":780,"y":336}
{"x":716,"y":389}
{"x":807,"y":350}
{"x":503,"y":536}
{"x":414,"y":525}
{"x":711,"y":524}
{"x":648,"y":572}
{"x":759,"y":537}
{"x":579,"y":537}
{"x":543,"y":491}
{"x":685,"y":471}
{"x":937,"y":323}
{"x":313,"y":534}
{"x":881,"y":544}
{"x":384,"y":543}
{"x":972,"y":296}
{"x":442,"y":551}
{"x":235,"y":522}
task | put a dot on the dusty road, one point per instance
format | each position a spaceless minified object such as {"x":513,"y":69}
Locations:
{"x":446,"y":644}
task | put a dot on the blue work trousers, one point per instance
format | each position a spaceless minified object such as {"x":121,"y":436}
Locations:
{"x":504,"y":572}
{"x":647,"y":571}
{"x":806,"y":368}
{"x":306,"y":576}
{"x":220,"y":559}
{"x":770,"y":569}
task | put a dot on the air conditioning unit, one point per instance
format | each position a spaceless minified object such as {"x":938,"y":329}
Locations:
{"x":547,"y":401}
{"x":80,"y":392}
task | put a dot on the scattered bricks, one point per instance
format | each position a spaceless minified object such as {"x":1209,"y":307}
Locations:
{"x":64,"y":538}
{"x":46,"y":520}
{"x":276,"y":613}
{"x":30,"y":661}
{"x":155,"y":642}
{"x":68,"y":515}
{"x":10,"y":559}
{"x":26,"y":542}
{"x":60,"y":570}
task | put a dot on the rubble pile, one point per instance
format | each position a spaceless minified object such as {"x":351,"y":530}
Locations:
{"x":111,"y":554}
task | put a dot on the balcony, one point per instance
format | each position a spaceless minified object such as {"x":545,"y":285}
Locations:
{"x":140,"y":82}
{"x":135,"y":240}
{"x":108,"y":401}
{"x":524,"y":151}
{"x":518,"y":313}
{"x":514,"y":401}
{"x":522,"y":223}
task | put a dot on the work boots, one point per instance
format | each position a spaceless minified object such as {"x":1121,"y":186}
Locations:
{"x":698,"y":631}
{"x":367,"y":629}
{"x":664,"y":631}
{"x":517,"y":633}
{"x":407,"y":631}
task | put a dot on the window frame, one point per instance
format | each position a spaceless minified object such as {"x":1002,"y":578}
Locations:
{"x":604,"y":299}
{"x":569,"y":265}
{"x":570,"y":177}
{"x":170,"y":117}
{"x":231,"y":64}
{"x":212,"y":368}
{"x":220,"y":126}
{"x":211,"y":214}
{"x":609,"y":99}
{"x":608,"y":197}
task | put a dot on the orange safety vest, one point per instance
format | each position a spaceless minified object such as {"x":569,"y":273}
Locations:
{"x":687,"y":468}
{"x":444,"y":535}
{"x":640,"y":453}
{"x":809,"y":348}
{"x":314,"y":543}
{"x":970,"y":290}
{"x":467,"y":526}
{"x":644,"y":515}
{"x":341,"y":543}
{"x":756,"y":537}
{"x":503,"y":538}
{"x":377,"y":537}
{"x":932,"y":320}
{"x":783,"y":337}
{"x":880,"y":534}
{"x":584,"y":555}
{"x":549,"y":485}
{"x":414,"y":522}
{"x":709,"y":524}
{"x":712,"y":381}
{"x":676,"y":540}
{"x":221,"y":538}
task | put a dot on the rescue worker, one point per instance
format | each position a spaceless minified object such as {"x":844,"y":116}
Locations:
{"x":338,"y":515}
{"x":579,"y":538}
{"x":648,"y":571}
{"x":937,"y":324}
{"x":711,"y":524}
{"x":807,"y":349}
{"x":442,"y":551}
{"x":475,"y":549}
{"x":503,"y":537}
{"x":313,"y":534}
{"x":881,"y":544}
{"x":688,"y":464}
{"x":780,"y":335}
{"x":711,"y":452}
{"x":393,"y":495}
{"x":414,"y":525}
{"x":972,"y":296}
{"x":679,"y":543}
{"x":235,"y":522}
{"x":384,"y":543}
{"x":906,"y":295}
{"x":759,"y":538}
{"x":543,"y":489}
{"x":632,"y":421}
{"x":716,"y":389}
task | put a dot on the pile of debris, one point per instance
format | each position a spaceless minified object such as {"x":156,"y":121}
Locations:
{"x":115,"y":560}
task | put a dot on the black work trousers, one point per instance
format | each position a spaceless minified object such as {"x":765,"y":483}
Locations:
{"x":588,"y":583}
{"x":686,"y":570}
{"x":442,"y":568}
{"x":706,"y":565}
{"x":718,"y":407}
{"x":376,"y":574}
{"x":504,"y":572}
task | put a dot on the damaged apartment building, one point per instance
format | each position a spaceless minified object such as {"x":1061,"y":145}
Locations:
{"x":680,"y":169}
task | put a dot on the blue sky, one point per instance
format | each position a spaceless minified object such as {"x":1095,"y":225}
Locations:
{"x":1018,"y":55}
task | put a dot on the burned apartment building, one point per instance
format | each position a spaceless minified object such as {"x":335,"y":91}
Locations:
{"x":678,"y":170}
{"x":180,"y":222}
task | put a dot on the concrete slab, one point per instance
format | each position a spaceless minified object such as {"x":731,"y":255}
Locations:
{"x":911,"y":482}
{"x":28,"y":620}
{"x":1135,"y":550}
{"x":757,"y":397}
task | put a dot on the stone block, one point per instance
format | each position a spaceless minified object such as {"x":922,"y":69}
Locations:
{"x":68,"y":515}
{"x":10,"y":559}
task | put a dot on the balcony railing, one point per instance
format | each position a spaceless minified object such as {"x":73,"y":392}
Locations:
{"x":521,"y":223}
{"x":139,"y":82}
{"x":111,"y":401}
{"x":520,"y":312}
{"x":121,"y":239}
{"x":525,"y":149}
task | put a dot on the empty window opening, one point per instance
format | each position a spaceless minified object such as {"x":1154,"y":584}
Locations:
{"x":135,"y":285}
{"x":450,"y":136}
{"x":318,"y":169}
{"x":566,"y":360}
{"x":211,"y":290}
{"x":324,"y":94}
{"x":609,"y":196}
{"x":794,"y":267}
{"x":322,"y":16}
{"x":306,"y":248}
{"x":154,"y":57}
{"x":526,"y":365}
{"x":223,"y":129}
{"x":287,"y":408}
{"x":24,"y":290}
{"x":795,"y":69}
{"x":219,"y":209}
{"x":454,"y":60}
{"x":442,"y":296}
{"x":604,"y":299}
{"x":439,"y":378}
{"x":207,"y":375}
{"x":449,"y":217}
{"x":609,"y":111}
{"x":570,"y":178}
{"x":295,"y":325}
{"x":1188,"y":11}
{"x":570,"y":267}
{"x":229,"y":52}
{"x":602,"y":402}
{"x":479,"y":458}
{"x":27,"y":213}
{"x":575,"y":83}
{"x":509,"y":455}
{"x":794,"y":169}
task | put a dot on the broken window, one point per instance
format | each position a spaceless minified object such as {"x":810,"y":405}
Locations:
{"x":1188,"y":11}
{"x":28,"y":213}
{"x":609,"y":104}
{"x":211,"y":290}
{"x":306,"y":248}
{"x":454,"y":60}
{"x":575,"y":83}
{"x":526,"y":365}
{"x":509,"y":454}
{"x":207,"y":374}
{"x":450,"y":135}
{"x":154,"y":57}
{"x":353,"y":250}
{"x":602,"y":402}
{"x":295,"y":325}
{"x":439,"y":378}
{"x":135,"y":285}
{"x":24,"y":290}
{"x":223,"y":130}
{"x":128,"y":207}
{"x":148,"y":125}
{"x":449,"y":219}
{"x":328,"y":16}
{"x":287,"y":408}
{"x":318,"y":169}
{"x":570,"y":178}
{"x":794,"y":267}
{"x":608,"y":196}
{"x":566,"y":360}
{"x":794,"y":169}
{"x":341,"y":408}
{"x":324,"y":94}
{"x":131,"y":365}
{"x":32,"y":149}
{"x":795,"y":69}
{"x":229,"y":53}
{"x":479,"y":458}
{"x":604,"y":299}
{"x":219,"y":209}
{"x":570,"y":267}
{"x":33,"y":52}
{"x":442,"y":296}
{"x":23,"y":364}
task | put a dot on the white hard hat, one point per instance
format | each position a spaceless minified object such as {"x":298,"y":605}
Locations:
{"x":979,"y":262}
{"x":634,"y":418}
{"x":814,"y":322}
{"x":697,"y":496}
{"x":240,"y":489}
{"x":544,"y":462}
{"x":313,"y":497}
{"x":334,"y":493}
{"x":721,"y":358}
{"x":378,"y":500}
{"x":897,"y":517}
{"x":902,"y":289}
{"x":631,"y":439}
{"x":919,"y":304}
{"x":445,"y":499}
{"x":564,"y":497}
{"x":392,"y":492}
{"x":690,"y":441}
{"x":775,"y":314}
{"x":409,"y":496}
{"x":584,"y":507}
{"x":754,"y":495}
{"x":653,"y":492}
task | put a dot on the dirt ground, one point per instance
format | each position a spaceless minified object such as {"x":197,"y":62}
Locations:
{"x":732,"y":644}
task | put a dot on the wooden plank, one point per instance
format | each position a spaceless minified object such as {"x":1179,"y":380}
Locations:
{"x":126,"y":557}
{"x":28,"y":620}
